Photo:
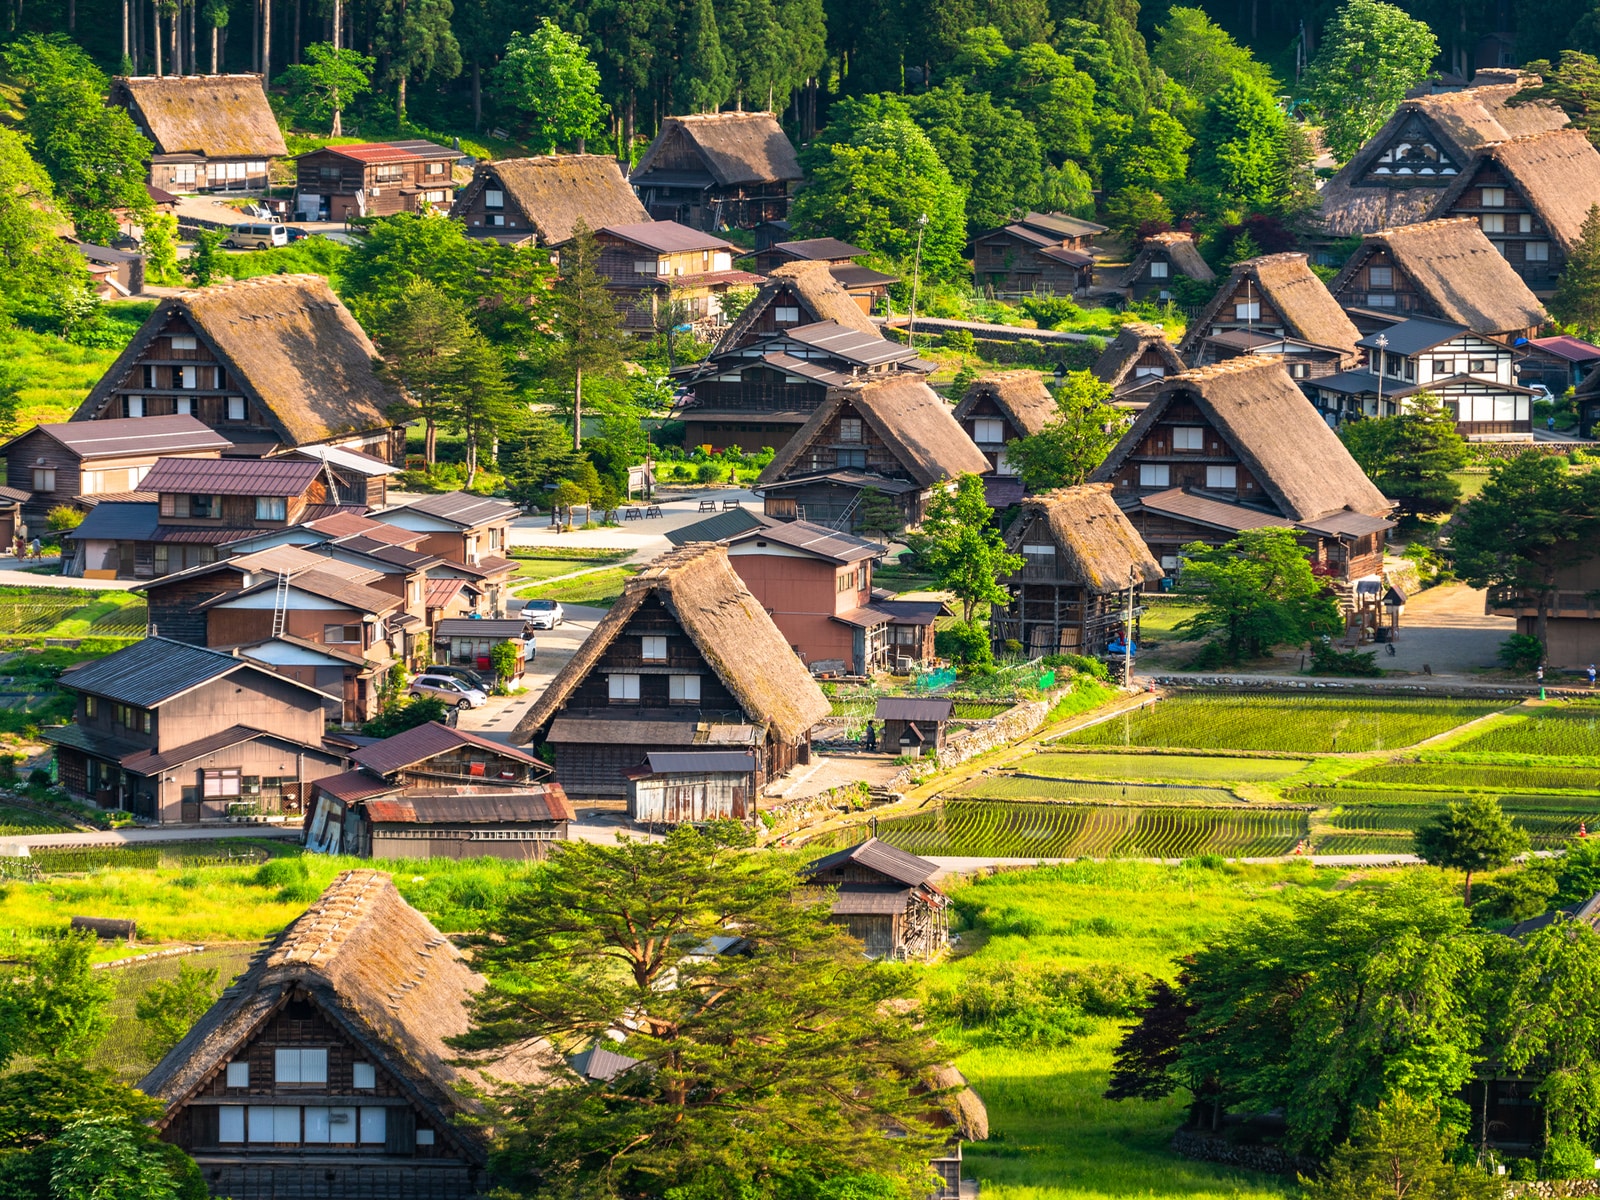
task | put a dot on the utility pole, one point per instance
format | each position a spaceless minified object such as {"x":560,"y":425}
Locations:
{"x":916,"y":280}
{"x":1382,"y":343}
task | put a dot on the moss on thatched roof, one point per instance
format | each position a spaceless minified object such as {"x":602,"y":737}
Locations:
{"x":910,"y":418}
{"x":1557,"y":172}
{"x":1021,"y":395}
{"x":1300,"y":463}
{"x":1099,"y":545}
{"x":813,"y":288}
{"x":382,"y":974}
{"x":556,"y":191}
{"x":289,"y":343}
{"x":728,"y":626}
{"x":1461,"y":276}
{"x":219,"y":116}
{"x":1292,"y":289}
{"x":1128,"y":347}
{"x":734,"y":147}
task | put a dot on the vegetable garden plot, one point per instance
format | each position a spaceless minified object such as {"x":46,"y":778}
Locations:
{"x":1481,"y":777}
{"x":1179,"y":767}
{"x":26,"y":820}
{"x":1292,"y":723}
{"x":1571,"y":732}
{"x":1026,"y":787}
{"x":1006,"y":830}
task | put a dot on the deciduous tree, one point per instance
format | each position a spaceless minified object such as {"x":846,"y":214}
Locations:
{"x":1202,"y":57}
{"x":1371,"y":55}
{"x":170,"y":1007}
{"x":547,"y":78}
{"x":93,"y":153}
{"x":54,"y":1006}
{"x":1255,"y":591}
{"x":1471,"y":835}
{"x":36,"y":266}
{"x":327,"y":81}
{"x":1240,"y":145}
{"x":1074,"y":442}
{"x":960,"y":544}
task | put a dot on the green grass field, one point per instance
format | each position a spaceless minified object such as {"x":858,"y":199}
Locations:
{"x":599,"y":589}
{"x":1184,"y":767}
{"x":545,"y":564}
{"x":1298,"y":724}
{"x":14,"y":820}
{"x":56,"y":375}
{"x":1572,"y":731}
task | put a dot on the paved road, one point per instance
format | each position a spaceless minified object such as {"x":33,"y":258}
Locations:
{"x":646,"y":538}
{"x":11,"y":575}
{"x":146,"y":837}
{"x":957,"y":865}
{"x":498,"y":719}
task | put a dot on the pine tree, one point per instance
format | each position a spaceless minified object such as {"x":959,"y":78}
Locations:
{"x":706,"y":80}
{"x":421,"y":335}
{"x":1577,"y":297}
{"x":594,"y":341}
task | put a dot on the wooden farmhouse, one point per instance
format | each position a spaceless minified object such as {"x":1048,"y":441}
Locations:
{"x":913,"y":725}
{"x":63,"y":464}
{"x":662,"y":274}
{"x":1572,"y":607}
{"x":672,"y":787}
{"x":1041,"y":254}
{"x":210,"y":133}
{"x":995,"y":411}
{"x":1471,"y":376}
{"x":270,"y":363}
{"x":1237,"y":446}
{"x":718,"y":170}
{"x":1277,"y":295}
{"x":173,"y":732}
{"x":186,"y":508}
{"x":1080,"y":557}
{"x":544,"y":199}
{"x":865,"y":285}
{"x":1447,"y":270}
{"x":816,"y":585}
{"x":325,"y":1069}
{"x":1137,"y":359}
{"x":1557,"y":363}
{"x":1530,"y":196}
{"x":373,"y":179}
{"x":1163,"y":258}
{"x":886,"y":899}
{"x":687,"y":659}
{"x":1398,"y":177}
{"x":895,"y":437}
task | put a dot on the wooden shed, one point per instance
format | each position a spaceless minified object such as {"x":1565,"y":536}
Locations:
{"x":913,"y":725}
{"x":685,"y":787}
{"x":881,"y":894}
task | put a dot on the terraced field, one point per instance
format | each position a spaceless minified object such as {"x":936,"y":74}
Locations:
{"x":1482,"y":777}
{"x":1565,"y":732}
{"x":1033,"y":787}
{"x":14,"y":820}
{"x":1183,"y":767}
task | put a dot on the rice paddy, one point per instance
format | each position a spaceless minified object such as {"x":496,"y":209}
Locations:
{"x":1482,"y":777}
{"x":1563,"y":732}
{"x":1160,"y":766}
{"x":1033,"y":787}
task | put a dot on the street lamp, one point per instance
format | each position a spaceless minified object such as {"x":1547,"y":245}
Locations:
{"x":916,"y":280}
{"x":1382,"y":343}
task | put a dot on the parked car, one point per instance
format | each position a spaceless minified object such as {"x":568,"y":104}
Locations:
{"x":256,"y":237}
{"x":452,"y":692}
{"x":464,"y":675}
{"x":297,"y":234}
{"x":543,"y":614}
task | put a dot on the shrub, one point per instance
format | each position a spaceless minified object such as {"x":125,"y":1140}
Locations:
{"x":1082,"y":664}
{"x":1325,"y":660}
{"x":170,"y":1007}
{"x":1517,"y":896}
{"x":959,"y":339}
{"x":281,"y":872}
{"x":965,"y":644}
{"x":503,"y":658}
{"x":1051,"y":312}
{"x":63,"y":517}
{"x":1520,"y":652}
{"x":1567,"y":1157}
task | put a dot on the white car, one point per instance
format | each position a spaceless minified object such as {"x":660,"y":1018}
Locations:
{"x":451,"y":691}
{"x":543,"y":614}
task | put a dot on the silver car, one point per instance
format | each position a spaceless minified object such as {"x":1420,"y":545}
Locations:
{"x":543,"y":614}
{"x":453,"y":692}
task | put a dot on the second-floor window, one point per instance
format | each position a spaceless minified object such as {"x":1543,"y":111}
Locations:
{"x":1443,"y":367}
{"x":133,"y":406}
{"x":1152,"y":475}
{"x":44,"y":479}
{"x":1247,"y":310}
{"x":1380,"y":277}
{"x":1158,"y":270}
{"x":341,"y":635}
{"x":1536,"y":251}
{"x":1493,"y":222}
{"x":1381,"y":300}
{"x":684,"y":689}
{"x":850,"y":429}
{"x":136,"y":719}
{"x":1188,"y":437}
{"x":1222,"y":478}
{"x":89,"y":708}
{"x":1493,"y":197}
{"x":235,"y":408}
{"x":294,"y":1065}
{"x":271,"y":508}
{"x":988,"y":429}
{"x":434,"y":168}
{"x":387,"y":173}
{"x":494,"y":198}
{"x":653,"y":649}
{"x":786,"y":314}
{"x":624,"y":688}
{"x":845,"y":459}
{"x":238,"y":1075}
{"x":329,"y":172}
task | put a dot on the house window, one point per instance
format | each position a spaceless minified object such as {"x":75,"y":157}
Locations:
{"x":1380,"y":277}
{"x":850,"y":429}
{"x":230,"y":1123}
{"x":333,"y":172}
{"x":1381,"y":300}
{"x":1152,"y":475}
{"x":644,"y":267}
{"x":1169,"y":562}
{"x":497,"y":219}
{"x":183,"y":343}
{"x":684,"y":689}
{"x":624,"y":688}
{"x":1493,"y":222}
{"x":1525,"y":223}
{"x":44,"y":479}
{"x":1250,"y":311}
{"x":424,"y":1137}
{"x":844,"y":459}
{"x":988,"y":430}
{"x":185,"y":406}
{"x":786,"y":314}
{"x":654,"y":649}
{"x":239,"y":1074}
{"x":1188,"y":437}
{"x":274,"y":1123}
{"x":1499,"y":248}
{"x":1443,"y":367}
{"x":374,"y":1127}
{"x":325,"y":1125}
{"x":183,"y":173}
{"x":494,"y":198}
{"x":335,"y":635}
{"x":271,"y":508}
{"x":299,"y":1066}
{"x":1477,"y":366}
{"x":187,"y":378}
{"x":1004,"y":466}
{"x":204,"y":506}
{"x":235,"y":408}
{"x":133,"y":406}
{"x":1149,"y":372}
{"x":434,"y":168}
{"x":363,"y":1076}
{"x":1222,"y":478}
{"x":1536,"y":251}
{"x":221,"y":783}
{"x":1158,"y":270}
{"x":1035,"y":554}
{"x":1492,"y":197}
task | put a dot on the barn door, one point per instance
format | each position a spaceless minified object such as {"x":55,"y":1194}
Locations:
{"x":400,"y":1132}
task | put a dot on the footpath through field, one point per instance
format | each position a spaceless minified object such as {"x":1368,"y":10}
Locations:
{"x":968,"y":864}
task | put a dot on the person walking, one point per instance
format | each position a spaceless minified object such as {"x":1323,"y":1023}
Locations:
{"x":1591,"y":674}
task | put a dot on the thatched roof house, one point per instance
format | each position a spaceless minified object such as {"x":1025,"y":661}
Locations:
{"x":1274,"y":294}
{"x":1399,"y":175}
{"x":995,"y":410}
{"x":714,"y":169}
{"x":1137,"y":357}
{"x":545,"y":197}
{"x":1445,"y":269}
{"x":689,"y":612}
{"x":797,"y":293}
{"x":342,"y":1024}
{"x":1162,"y":258}
{"x":299,"y":367}
{"x":209,"y":131}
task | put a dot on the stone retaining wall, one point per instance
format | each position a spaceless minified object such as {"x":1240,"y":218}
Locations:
{"x":1554,"y":1189}
{"x":1253,"y":1156}
{"x":1368,"y":687}
{"x":1016,"y":722}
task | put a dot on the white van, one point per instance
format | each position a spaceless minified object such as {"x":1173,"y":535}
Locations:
{"x":257,"y":237}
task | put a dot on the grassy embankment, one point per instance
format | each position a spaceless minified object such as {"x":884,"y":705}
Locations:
{"x":56,"y":374}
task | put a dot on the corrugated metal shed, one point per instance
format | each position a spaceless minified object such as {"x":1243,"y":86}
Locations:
{"x":861,"y":899}
{"x":880,"y":857}
{"x":908,"y":708}
{"x":428,"y":741}
{"x":232,"y":476}
{"x":700,"y":762}
{"x":479,"y":808}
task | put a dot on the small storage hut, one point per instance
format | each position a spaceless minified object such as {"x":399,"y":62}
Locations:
{"x":883,"y":897}
{"x":671,"y":788}
{"x":913,"y":725}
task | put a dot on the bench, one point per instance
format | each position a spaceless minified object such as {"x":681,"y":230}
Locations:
{"x":708,"y":506}
{"x":653,"y":511}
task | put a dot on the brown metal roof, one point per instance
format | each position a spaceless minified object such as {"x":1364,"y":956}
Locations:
{"x":818,"y":249}
{"x":354,"y":785}
{"x":1176,"y":502}
{"x":458,"y":508}
{"x":121,"y":436}
{"x":232,"y":476}
{"x":813,"y":539}
{"x":667,"y":237}
{"x":428,"y":741}
{"x":865,"y":899}
{"x":880,"y":857}
{"x":150,"y":762}
{"x":913,"y":708}
{"x":544,"y":803}
{"x":621,"y":731}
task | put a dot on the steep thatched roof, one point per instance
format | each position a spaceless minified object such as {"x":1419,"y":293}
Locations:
{"x":1099,"y":544}
{"x":219,"y":116}
{"x":813,"y":288}
{"x":910,"y":418}
{"x":291,"y":345}
{"x":1301,"y":463}
{"x":1463,"y":123}
{"x":381,"y":973}
{"x":1558,"y":172}
{"x":1289,"y":286}
{"x":1458,"y":272}
{"x":728,"y":626}
{"x":1021,"y":395}
{"x":1117,"y":361}
{"x":1177,"y":248}
{"x":734,"y":148}
{"x":556,"y":191}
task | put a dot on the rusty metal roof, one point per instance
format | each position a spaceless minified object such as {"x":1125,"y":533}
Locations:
{"x":428,"y":741}
{"x":354,"y":785}
{"x":545,"y":802}
{"x":880,"y":857}
{"x":911,"y":708}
